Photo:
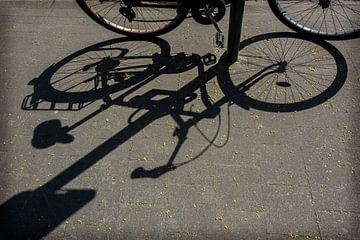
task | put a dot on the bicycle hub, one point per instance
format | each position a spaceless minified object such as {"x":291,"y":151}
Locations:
{"x":324,"y":3}
{"x":282,"y":66}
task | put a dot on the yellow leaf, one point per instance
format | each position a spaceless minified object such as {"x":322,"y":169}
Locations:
{"x":220,"y":218}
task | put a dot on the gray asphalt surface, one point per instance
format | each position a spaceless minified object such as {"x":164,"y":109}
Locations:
{"x":274,"y":158}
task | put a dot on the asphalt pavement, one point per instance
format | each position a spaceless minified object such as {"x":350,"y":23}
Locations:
{"x":108,"y":137}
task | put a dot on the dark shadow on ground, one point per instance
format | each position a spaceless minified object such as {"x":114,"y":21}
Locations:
{"x":120,"y":67}
{"x":287,"y":72}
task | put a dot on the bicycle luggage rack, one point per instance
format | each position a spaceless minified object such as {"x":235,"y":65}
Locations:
{"x":235,"y":25}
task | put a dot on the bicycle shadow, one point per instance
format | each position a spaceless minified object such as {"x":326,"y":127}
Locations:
{"x":43,"y":209}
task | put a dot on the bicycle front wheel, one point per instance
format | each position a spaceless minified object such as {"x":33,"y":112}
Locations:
{"x":328,"y":19}
{"x":145,"y":18}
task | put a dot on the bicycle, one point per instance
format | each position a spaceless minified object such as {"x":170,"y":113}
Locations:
{"x":328,"y":19}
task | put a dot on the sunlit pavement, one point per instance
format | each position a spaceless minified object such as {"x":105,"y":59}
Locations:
{"x":269,"y":147}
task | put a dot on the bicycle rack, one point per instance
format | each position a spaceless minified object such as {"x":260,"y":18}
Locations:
{"x":235,"y":24}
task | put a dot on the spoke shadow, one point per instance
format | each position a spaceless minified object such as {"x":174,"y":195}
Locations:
{"x":284,"y":72}
{"x":119,"y":67}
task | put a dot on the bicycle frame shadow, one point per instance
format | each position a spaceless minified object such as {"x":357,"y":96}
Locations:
{"x":48,"y":206}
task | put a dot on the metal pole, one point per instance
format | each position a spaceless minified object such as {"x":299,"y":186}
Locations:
{"x":235,"y":24}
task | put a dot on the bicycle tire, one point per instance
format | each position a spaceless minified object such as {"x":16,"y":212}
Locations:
{"x":325,"y":19}
{"x":177,"y":17}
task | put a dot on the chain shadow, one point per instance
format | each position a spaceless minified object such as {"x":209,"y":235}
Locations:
{"x":34,"y":214}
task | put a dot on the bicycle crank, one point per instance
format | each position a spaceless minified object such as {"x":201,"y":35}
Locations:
{"x":210,"y":13}
{"x":216,"y":8}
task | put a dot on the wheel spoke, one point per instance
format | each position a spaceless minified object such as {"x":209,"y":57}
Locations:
{"x":329,"y":18}
{"x":147,"y":17}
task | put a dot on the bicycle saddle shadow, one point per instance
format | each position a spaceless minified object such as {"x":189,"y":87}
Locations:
{"x":49,"y":133}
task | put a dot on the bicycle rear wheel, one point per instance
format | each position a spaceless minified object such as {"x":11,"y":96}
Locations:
{"x":328,"y":19}
{"x":146,"y":19}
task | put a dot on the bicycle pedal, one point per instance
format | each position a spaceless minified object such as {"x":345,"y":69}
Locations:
{"x":220,"y":40}
{"x":209,"y":59}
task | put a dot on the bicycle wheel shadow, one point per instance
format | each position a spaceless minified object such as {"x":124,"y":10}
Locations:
{"x":284,"y":72}
{"x":116,"y":70}
{"x":275,"y":72}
